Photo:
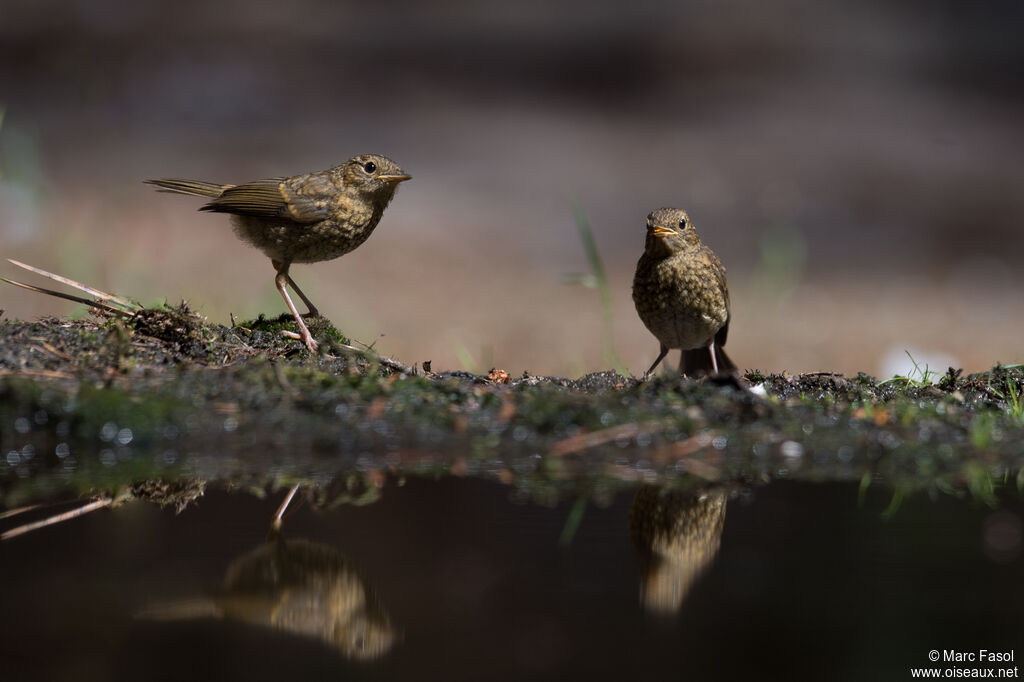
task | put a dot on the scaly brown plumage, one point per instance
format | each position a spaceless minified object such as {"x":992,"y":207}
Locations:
{"x":303,"y":219}
{"x":677,"y":534}
{"x":681,"y":295}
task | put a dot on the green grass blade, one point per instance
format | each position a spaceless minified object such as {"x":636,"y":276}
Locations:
{"x":604,"y":291}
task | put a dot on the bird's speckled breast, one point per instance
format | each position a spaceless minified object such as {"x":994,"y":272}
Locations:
{"x":679,"y":299}
{"x":290,"y":242}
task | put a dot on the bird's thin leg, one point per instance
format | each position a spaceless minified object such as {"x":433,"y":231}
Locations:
{"x":661,"y":356}
{"x":279,"y":514}
{"x":714,"y":362}
{"x":313,"y":312}
{"x":278,"y":520}
{"x":283,"y":267}
{"x":281,"y":280}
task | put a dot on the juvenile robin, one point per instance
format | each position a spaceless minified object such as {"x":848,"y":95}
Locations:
{"x":299,"y":587}
{"x":303,"y":219}
{"x":681,"y":295}
{"x":677,"y":534}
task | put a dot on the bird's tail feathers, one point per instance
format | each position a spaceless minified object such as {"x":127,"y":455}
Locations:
{"x":194,"y":187}
{"x":697,"y":362}
{"x":182,"y":609}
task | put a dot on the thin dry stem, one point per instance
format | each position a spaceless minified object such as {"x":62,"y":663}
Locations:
{"x":78,"y":285}
{"x":57,"y":518}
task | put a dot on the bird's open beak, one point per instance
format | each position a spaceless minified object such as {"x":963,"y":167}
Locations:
{"x":394,"y":178}
{"x":663,"y":232}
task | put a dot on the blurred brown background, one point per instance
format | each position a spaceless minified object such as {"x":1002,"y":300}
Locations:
{"x":858,"y":166}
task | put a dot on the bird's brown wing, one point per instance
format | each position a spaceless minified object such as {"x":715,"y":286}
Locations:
{"x":271,"y":198}
{"x":723,"y":333}
{"x":725,"y":363}
{"x":696,"y":362}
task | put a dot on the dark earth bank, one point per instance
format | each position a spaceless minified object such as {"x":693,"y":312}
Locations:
{"x":155,"y":403}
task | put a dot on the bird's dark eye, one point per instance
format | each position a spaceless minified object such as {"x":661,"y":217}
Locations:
{"x":682,"y":224}
{"x":369,"y":167}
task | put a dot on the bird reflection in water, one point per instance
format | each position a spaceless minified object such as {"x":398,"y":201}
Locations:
{"x":298,"y":586}
{"x":677,"y":534}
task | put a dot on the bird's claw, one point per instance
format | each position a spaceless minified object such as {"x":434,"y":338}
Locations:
{"x":306,"y":338}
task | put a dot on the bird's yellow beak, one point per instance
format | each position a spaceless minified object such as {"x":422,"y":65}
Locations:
{"x":394,"y":178}
{"x":663,"y":232}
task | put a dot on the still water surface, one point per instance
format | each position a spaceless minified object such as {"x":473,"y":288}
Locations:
{"x":451,"y":579}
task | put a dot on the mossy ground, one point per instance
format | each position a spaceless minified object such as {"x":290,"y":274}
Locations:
{"x":107,"y":403}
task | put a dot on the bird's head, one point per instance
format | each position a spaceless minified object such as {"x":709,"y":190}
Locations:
{"x":669,"y":231}
{"x":373,"y":174}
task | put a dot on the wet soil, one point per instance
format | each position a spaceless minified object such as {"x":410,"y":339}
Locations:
{"x":139,"y":405}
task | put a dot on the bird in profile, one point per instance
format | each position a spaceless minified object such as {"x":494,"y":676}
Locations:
{"x":296,"y":586}
{"x":681,"y":295}
{"x":305,"y":218}
{"x":299,"y":587}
